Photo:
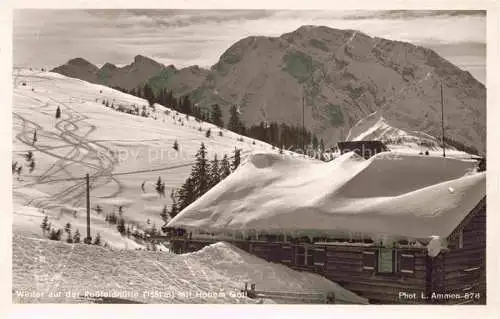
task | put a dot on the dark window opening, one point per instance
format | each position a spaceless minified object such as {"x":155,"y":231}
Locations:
{"x":286,"y":254}
{"x":406,"y":263}
{"x":300,"y":256}
{"x":319,"y":256}
{"x":369,"y":260}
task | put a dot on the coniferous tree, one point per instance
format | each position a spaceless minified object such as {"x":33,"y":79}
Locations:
{"x":225,"y":168}
{"x":164,"y":214}
{"x":14,"y":167}
{"x":121,"y":226}
{"x":98,"y":209}
{"x":199,"y":174}
{"x":45,"y":224}
{"x":176,"y":146}
{"x":158,"y":185}
{"x":186,"y":194}
{"x":32,"y":166}
{"x":35,"y":139}
{"x":235,"y":123}
{"x":315,"y":142}
{"x":216,"y":115}
{"x":236,"y":158}
{"x":55,"y":234}
{"x":207,"y":134}
{"x":76,"y":237}
{"x":174,"y":210}
{"x":58,"y":113}
{"x":214,"y":173}
{"x":67,"y":228}
{"x":29,"y":156}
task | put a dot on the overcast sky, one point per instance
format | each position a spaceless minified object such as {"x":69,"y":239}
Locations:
{"x":185,"y":37}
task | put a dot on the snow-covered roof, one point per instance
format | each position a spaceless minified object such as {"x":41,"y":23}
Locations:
{"x":397,"y":195}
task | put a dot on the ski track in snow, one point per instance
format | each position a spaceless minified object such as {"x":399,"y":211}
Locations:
{"x":82,"y":141}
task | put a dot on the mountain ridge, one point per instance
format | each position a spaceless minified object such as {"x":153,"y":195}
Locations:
{"x":341,"y":76}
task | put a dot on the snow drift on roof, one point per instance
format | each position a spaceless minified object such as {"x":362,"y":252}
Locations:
{"x":397,"y":195}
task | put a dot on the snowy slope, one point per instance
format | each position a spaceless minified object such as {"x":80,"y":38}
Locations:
{"x":376,"y":127}
{"x":118,"y":150}
{"x":397,"y":195}
{"x":215,"y":274}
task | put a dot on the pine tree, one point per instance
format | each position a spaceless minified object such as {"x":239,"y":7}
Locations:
{"x":158,"y":185}
{"x":35,"y":139}
{"x":29,"y":156}
{"x":214,"y":173}
{"x":67,"y":228}
{"x":121,"y":226}
{"x":186,"y":194}
{"x":45,"y":224}
{"x":58,"y":113}
{"x":76,"y":237}
{"x":98,"y":209}
{"x":216,"y":115}
{"x":176,"y":146}
{"x":225,"y":168}
{"x":32,"y":166}
{"x":174,"y":210}
{"x":97,"y":240}
{"x":236,"y":158}
{"x":55,"y":234}
{"x":207,"y":134}
{"x":164,"y":214}
{"x":14,"y":167}
{"x":199,"y":174}
{"x":235,"y":123}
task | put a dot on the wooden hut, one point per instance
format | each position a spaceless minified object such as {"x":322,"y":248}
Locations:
{"x":378,"y":244}
{"x":365,"y":149}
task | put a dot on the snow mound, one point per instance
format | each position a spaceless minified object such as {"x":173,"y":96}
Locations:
{"x":397,"y":195}
{"x":232,"y":261}
{"x":216,"y":274}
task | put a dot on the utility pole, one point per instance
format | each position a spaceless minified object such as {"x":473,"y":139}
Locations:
{"x":442,"y":120}
{"x":303,"y":125}
{"x":89,"y":238}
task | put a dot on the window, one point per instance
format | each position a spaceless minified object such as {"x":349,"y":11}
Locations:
{"x":385,"y":261}
{"x":369,"y":260}
{"x":319,"y":256}
{"x":406,"y":263}
{"x":309,"y":256}
{"x":300,"y":256}
{"x":286,"y":254}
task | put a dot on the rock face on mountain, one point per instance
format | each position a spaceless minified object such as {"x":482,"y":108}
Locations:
{"x":341,"y":77}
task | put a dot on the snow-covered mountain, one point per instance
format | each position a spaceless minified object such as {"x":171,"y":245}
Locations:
{"x":377,"y":127}
{"x":120,"y":151}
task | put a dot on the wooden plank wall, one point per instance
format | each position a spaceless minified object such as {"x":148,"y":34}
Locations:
{"x":344,"y":265}
{"x":463,"y":270}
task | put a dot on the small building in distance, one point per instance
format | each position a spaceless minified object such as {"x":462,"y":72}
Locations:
{"x":365,"y":149}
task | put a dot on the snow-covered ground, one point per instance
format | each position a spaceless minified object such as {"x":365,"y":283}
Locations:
{"x":46,"y":271}
{"x":120,"y":151}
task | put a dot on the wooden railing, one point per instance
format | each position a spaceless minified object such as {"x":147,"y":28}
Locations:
{"x":318,"y":297}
